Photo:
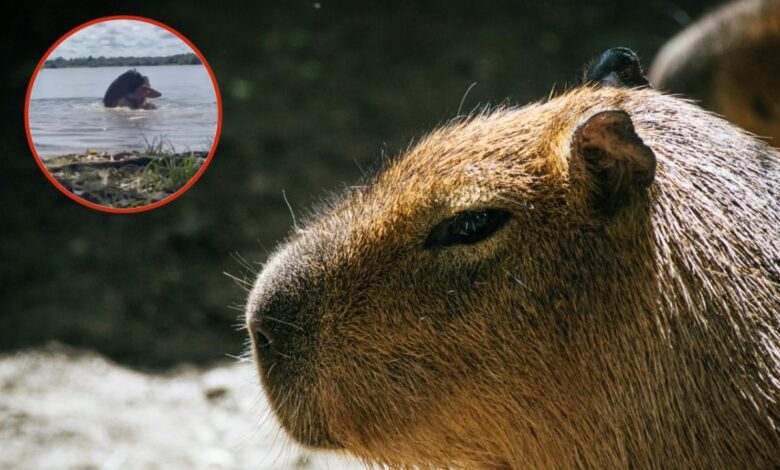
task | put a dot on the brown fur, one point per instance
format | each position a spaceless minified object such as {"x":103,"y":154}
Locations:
{"x":646,"y":339}
{"x":730,"y":61}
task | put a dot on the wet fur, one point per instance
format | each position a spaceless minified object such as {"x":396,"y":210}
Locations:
{"x":131,"y":89}
{"x":649,"y":338}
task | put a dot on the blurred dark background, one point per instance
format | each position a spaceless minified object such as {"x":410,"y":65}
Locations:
{"x":312,"y":92}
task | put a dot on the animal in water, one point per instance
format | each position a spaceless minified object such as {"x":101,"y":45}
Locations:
{"x":729,"y":61}
{"x":590,"y":281}
{"x":131,"y":90}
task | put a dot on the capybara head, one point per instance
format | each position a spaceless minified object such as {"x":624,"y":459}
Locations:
{"x":729,"y":61}
{"x":129,"y":89}
{"x":589,"y":281}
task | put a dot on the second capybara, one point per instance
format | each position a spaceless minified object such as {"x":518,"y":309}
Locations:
{"x":131,"y":89}
{"x":587,"y":282}
{"x":729,"y":61}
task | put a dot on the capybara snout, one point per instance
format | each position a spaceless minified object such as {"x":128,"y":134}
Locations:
{"x":147,"y":91}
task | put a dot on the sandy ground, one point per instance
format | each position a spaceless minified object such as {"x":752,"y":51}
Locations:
{"x":68,"y":409}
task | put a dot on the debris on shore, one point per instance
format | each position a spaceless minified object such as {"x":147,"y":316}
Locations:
{"x":125,"y":179}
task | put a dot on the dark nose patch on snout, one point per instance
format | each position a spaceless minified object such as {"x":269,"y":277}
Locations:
{"x":149,"y":92}
{"x":275,"y":326}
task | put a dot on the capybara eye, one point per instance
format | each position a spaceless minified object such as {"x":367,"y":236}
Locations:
{"x":466,"y":227}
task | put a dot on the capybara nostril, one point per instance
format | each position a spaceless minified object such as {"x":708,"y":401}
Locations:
{"x":263,"y":344}
{"x":274,"y":326}
{"x":262,"y":340}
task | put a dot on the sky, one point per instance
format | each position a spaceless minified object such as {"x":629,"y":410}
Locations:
{"x":117,"y":38}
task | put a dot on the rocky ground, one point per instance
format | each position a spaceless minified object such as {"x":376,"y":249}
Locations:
{"x":68,"y":409}
{"x":125,"y":179}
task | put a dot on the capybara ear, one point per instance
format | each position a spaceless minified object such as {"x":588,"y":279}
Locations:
{"x":618,"y":67}
{"x":615,"y":157}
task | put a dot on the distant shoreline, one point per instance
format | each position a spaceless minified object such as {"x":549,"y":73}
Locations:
{"x":177,"y":59}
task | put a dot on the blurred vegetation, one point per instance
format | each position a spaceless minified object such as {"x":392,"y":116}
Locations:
{"x":313,"y":92}
{"x":177,"y":59}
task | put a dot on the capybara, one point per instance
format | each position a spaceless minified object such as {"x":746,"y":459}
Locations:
{"x":131,"y":89}
{"x":591,"y":281}
{"x":729,"y":60}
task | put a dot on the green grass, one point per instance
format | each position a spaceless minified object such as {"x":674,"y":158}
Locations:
{"x":136,"y":183}
{"x":158,"y":146}
{"x":169,"y":174}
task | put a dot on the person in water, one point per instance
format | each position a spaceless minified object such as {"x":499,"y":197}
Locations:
{"x":131,"y":89}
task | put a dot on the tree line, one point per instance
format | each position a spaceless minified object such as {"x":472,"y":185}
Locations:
{"x":177,"y":59}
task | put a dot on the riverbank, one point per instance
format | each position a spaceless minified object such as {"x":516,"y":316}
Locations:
{"x":176,"y":59}
{"x":125,"y":179}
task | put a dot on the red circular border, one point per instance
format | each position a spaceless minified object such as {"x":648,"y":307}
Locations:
{"x":92,"y":205}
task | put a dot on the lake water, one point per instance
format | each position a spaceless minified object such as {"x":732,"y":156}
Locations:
{"x":67,"y":113}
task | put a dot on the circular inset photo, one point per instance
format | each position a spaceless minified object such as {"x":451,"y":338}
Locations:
{"x":123,"y":114}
